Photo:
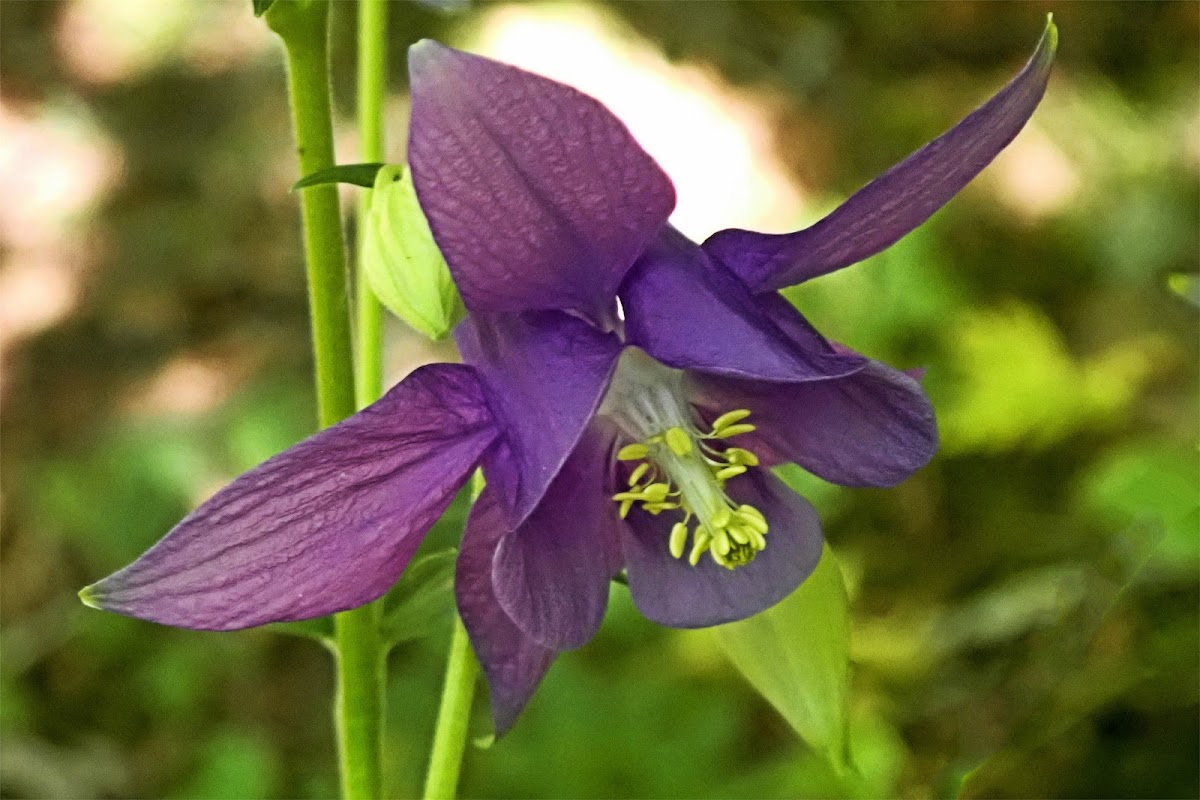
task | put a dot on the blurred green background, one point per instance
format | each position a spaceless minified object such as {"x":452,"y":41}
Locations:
{"x":1024,"y":608}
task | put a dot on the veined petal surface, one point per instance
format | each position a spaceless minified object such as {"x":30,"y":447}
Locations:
{"x":551,"y":574}
{"x":513,"y":663}
{"x":545,"y":373}
{"x":873,"y":428}
{"x":689,"y":312}
{"x":324,"y":526}
{"x":896,"y":202}
{"x":537,"y":195}
{"x":672,"y":592}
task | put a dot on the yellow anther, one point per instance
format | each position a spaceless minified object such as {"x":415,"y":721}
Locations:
{"x":757,"y":539}
{"x":678,"y":539}
{"x":738,"y":455}
{"x":721,"y":544}
{"x":729,"y":472}
{"x":733,"y":430}
{"x":728,"y":418}
{"x":699,"y":545}
{"x":751,"y":511}
{"x":738,"y":534}
{"x":641,"y":470}
{"x":749,"y":520}
{"x":678,"y":440}
{"x":622,"y":497}
{"x":625,"y":506}
{"x":721,"y":519}
{"x":655,"y":493}
{"x":633,"y":452}
{"x":658,"y":508}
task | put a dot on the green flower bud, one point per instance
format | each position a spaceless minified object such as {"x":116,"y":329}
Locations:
{"x":401,"y":261}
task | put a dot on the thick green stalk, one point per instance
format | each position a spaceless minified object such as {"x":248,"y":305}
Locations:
{"x":372,"y":84}
{"x":303,"y":26}
{"x":462,"y":673}
{"x":450,"y":738}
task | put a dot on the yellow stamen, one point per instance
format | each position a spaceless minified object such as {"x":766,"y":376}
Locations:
{"x":633,"y":452}
{"x":730,"y":417}
{"x":641,"y":470}
{"x":679,"y":441}
{"x":733,"y":430}
{"x":678,"y":539}
{"x":738,"y":455}
{"x":730,"y":472}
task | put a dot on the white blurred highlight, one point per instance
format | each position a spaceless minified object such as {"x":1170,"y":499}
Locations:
{"x":714,"y":142}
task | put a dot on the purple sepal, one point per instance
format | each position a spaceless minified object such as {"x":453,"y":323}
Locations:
{"x":896,"y":202}
{"x":537,"y":195}
{"x":690,"y":312}
{"x":551,"y":574}
{"x":671,"y":592}
{"x":545,"y":373}
{"x":324,"y":526}
{"x":512,"y":662}
{"x":873,"y":428}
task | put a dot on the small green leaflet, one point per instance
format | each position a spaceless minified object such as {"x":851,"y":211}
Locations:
{"x":422,"y":601}
{"x":357,"y":174}
{"x":796,"y":654}
{"x":261,"y":6}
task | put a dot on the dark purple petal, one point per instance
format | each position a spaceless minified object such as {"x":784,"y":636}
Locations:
{"x":672,"y":592}
{"x":536,"y":194}
{"x":873,"y":428}
{"x":552,"y":573}
{"x":513,"y":663}
{"x":324,"y":526}
{"x":896,"y":202}
{"x":545,"y":373}
{"x":689,"y":312}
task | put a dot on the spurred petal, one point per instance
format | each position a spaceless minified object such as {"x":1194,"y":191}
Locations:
{"x":896,"y":202}
{"x":324,"y":526}
{"x":873,"y":428}
{"x":545,"y":373}
{"x":537,"y":195}
{"x":513,"y":663}
{"x":552,"y":573}
{"x":690,"y":312}
{"x":672,"y":592}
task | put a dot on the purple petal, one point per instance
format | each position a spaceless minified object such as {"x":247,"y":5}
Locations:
{"x":551,"y":574}
{"x":671,"y":592}
{"x":513,"y":663}
{"x":896,"y":202}
{"x":536,"y":194}
{"x":324,"y":526}
{"x":545,"y":373}
{"x":873,"y":428}
{"x":689,"y":312}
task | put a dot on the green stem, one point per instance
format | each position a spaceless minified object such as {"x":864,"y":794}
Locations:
{"x":372,"y":83}
{"x":450,"y":738}
{"x":303,"y":27}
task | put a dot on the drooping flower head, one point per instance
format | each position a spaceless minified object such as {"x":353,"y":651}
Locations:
{"x":624,"y":390}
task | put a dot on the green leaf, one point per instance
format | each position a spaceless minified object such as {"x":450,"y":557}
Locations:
{"x":261,"y":6}
{"x":797,"y":655}
{"x":422,"y":601}
{"x":357,"y":174}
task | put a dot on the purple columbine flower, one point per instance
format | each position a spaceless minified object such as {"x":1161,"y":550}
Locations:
{"x":624,"y":391}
